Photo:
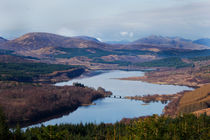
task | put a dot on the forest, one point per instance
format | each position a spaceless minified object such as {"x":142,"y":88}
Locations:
{"x":27,"y":103}
{"x":155,"y":127}
{"x":26,"y":72}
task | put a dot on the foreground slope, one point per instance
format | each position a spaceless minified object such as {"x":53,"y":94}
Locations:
{"x":150,"y":128}
{"x":195,"y":100}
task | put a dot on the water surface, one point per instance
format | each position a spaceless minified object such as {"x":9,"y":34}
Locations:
{"x":111,"y":110}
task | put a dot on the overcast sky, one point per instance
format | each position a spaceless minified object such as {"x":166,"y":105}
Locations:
{"x":106,"y":19}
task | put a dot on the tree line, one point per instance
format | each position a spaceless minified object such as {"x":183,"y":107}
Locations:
{"x":150,"y":128}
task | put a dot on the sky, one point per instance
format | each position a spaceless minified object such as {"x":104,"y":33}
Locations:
{"x":107,"y":20}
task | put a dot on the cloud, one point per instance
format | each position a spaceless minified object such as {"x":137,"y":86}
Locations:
{"x":99,"y":39}
{"x":127,"y":34}
{"x":123,"y":33}
{"x":115,"y":21}
{"x":131,"y":34}
{"x":66,"y":32}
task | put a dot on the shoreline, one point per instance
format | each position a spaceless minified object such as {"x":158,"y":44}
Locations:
{"x":55,"y":116}
{"x":49,"y":105}
{"x":90,"y":73}
{"x":143,"y":79}
{"x":156,"y":97}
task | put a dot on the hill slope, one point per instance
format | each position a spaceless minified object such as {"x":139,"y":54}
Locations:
{"x":195,"y":100}
{"x":33,"y":41}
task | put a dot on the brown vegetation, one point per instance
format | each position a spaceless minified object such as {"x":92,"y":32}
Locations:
{"x":26,"y":103}
{"x":171,"y":108}
{"x":195,"y":100}
{"x":192,"y":76}
{"x":156,"y":97}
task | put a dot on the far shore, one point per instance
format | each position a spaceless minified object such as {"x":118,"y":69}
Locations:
{"x":153,"y":81}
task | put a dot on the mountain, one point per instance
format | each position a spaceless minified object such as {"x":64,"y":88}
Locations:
{"x":203,"y":41}
{"x":87,"y":38}
{"x":169,"y":42}
{"x":34,"y":41}
{"x":118,"y":42}
{"x":2,"y":40}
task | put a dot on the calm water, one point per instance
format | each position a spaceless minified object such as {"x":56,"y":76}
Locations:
{"x":110,"y":110}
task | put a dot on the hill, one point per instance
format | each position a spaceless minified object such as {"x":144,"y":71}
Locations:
{"x":203,"y":41}
{"x":90,"y":52}
{"x":33,"y":41}
{"x":14,"y":59}
{"x":27,"y":103}
{"x":22,"y":69}
{"x":170,"y":42}
{"x":195,"y":100}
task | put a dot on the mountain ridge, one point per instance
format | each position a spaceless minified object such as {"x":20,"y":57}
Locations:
{"x":203,"y":41}
{"x":169,"y":42}
{"x":38,"y":40}
{"x":2,"y":40}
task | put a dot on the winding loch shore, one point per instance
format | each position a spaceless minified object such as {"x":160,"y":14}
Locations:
{"x":196,"y":78}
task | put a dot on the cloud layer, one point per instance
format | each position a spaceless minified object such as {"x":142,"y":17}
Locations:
{"x":108,"y":20}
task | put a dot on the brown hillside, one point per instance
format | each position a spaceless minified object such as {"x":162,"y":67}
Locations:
{"x":195,"y":100}
{"x":33,"y":41}
{"x":170,"y":42}
{"x":26,"y":103}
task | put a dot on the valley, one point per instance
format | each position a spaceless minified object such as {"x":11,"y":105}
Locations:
{"x":105,"y":70}
{"x":38,"y":72}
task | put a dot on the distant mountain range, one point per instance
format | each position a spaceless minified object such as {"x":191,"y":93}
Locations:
{"x":2,"y":40}
{"x":34,"y":41}
{"x":90,"y":52}
{"x":203,"y":41}
{"x":170,"y":42}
